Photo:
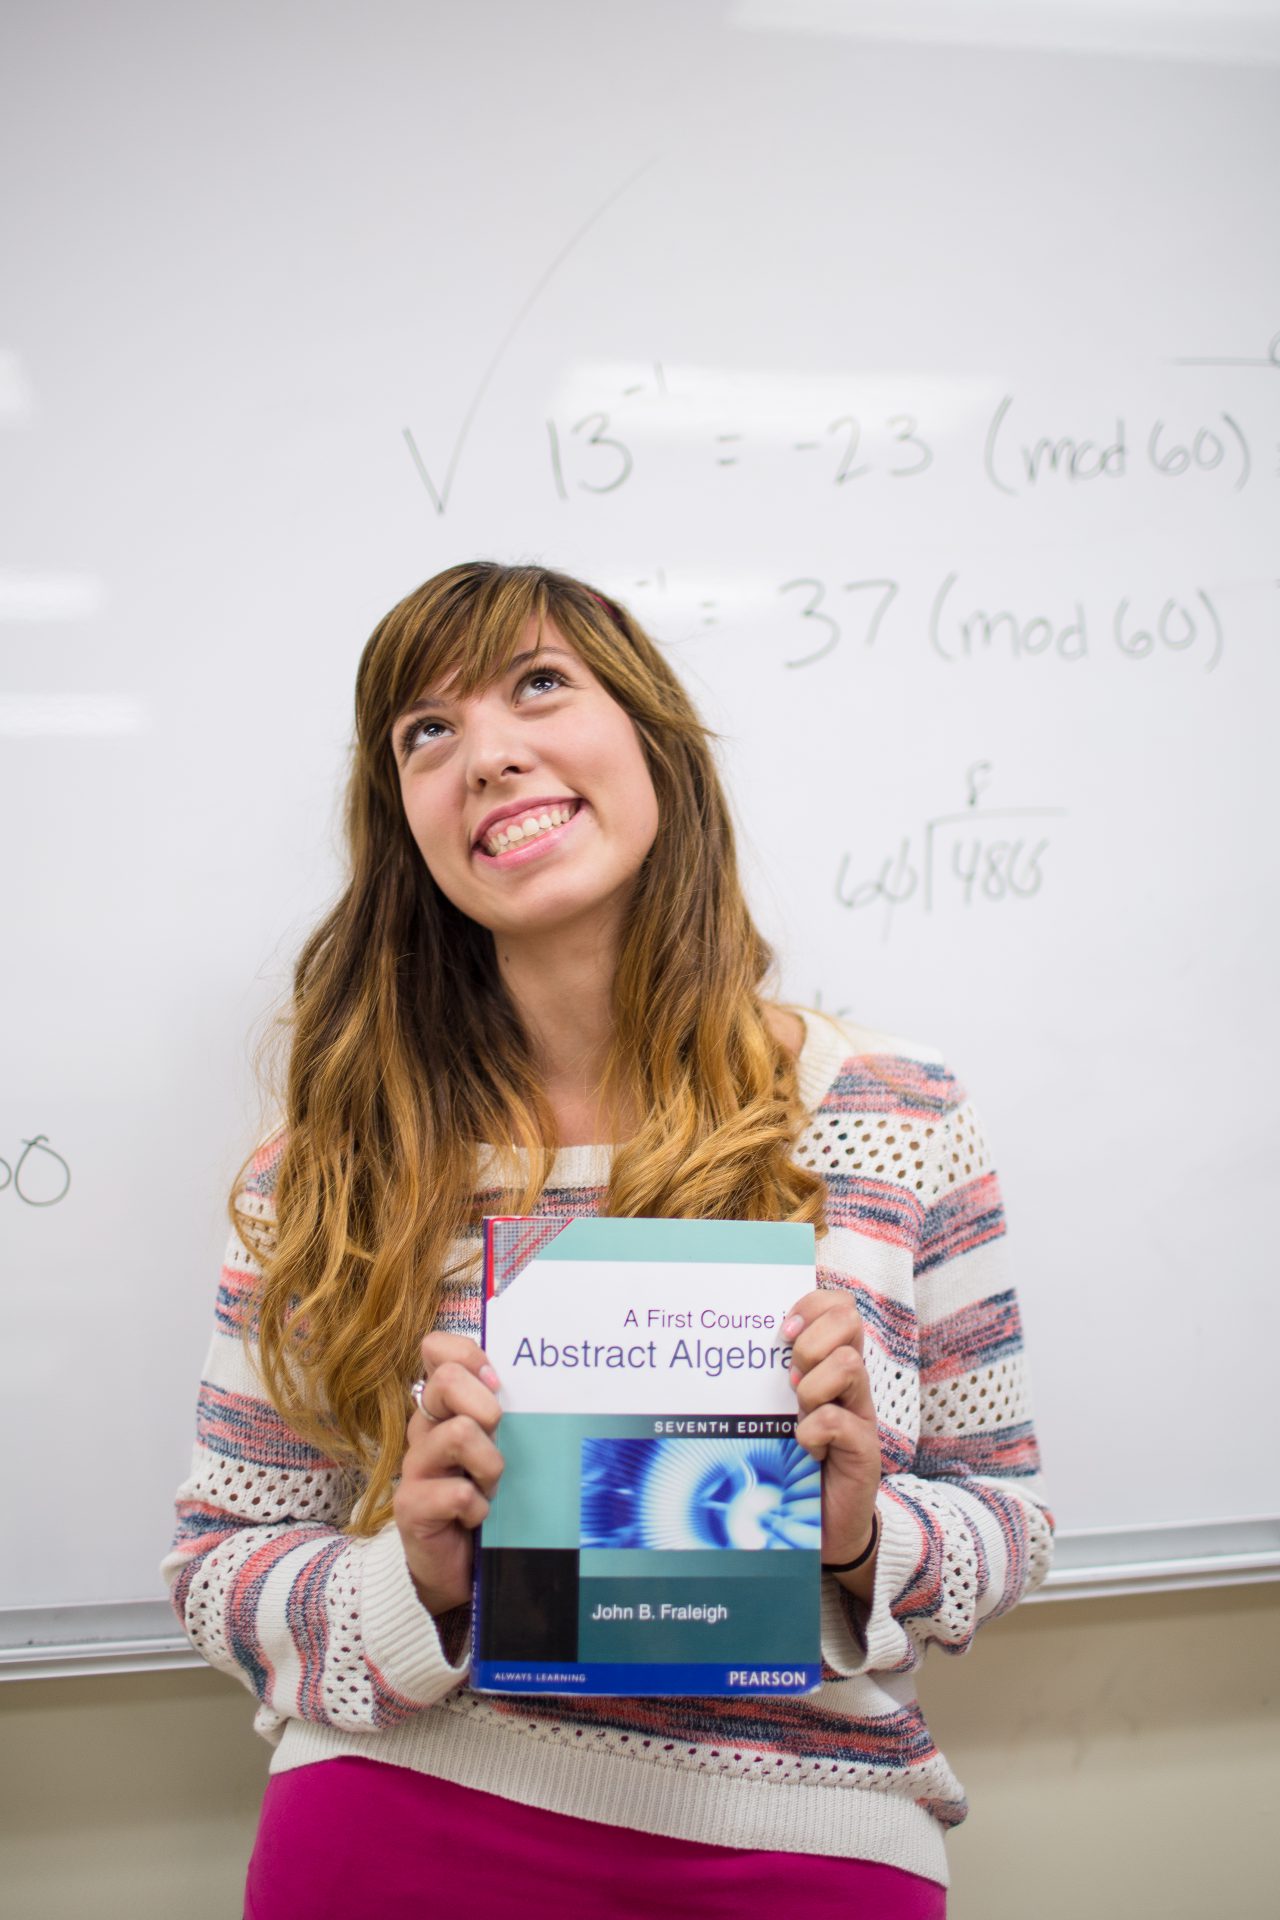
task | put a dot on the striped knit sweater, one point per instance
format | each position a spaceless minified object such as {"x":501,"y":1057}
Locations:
{"x":326,"y":1629}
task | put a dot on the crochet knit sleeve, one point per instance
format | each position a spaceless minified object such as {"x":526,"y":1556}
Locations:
{"x":319,"y":1625}
{"x":965,"y":1531}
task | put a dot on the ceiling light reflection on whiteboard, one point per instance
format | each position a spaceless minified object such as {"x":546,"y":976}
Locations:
{"x":36,"y":597}
{"x":15,"y":392}
{"x":764,"y":403}
{"x":1234,"y":32}
{"x":44,"y":715}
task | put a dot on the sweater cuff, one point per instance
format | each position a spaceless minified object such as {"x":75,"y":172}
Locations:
{"x":401,"y":1639}
{"x":861,"y":1638}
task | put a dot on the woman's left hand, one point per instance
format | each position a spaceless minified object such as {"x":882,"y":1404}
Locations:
{"x":837,"y":1424}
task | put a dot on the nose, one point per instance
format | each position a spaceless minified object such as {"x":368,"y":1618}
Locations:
{"x":495,"y":750}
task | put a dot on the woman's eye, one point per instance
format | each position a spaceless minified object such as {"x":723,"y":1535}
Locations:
{"x":542,"y":677}
{"x":420,"y":732}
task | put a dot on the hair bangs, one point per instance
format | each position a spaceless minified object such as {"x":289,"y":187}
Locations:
{"x":450,"y":643}
{"x":475,"y":646}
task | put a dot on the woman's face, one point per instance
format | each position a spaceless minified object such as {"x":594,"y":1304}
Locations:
{"x":530,"y":801}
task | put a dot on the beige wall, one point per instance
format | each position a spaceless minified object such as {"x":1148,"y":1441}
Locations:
{"x":1122,"y":1759}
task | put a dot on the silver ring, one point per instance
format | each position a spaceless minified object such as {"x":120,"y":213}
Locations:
{"x":416,"y":1392}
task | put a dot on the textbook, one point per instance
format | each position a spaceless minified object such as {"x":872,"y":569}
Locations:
{"x":657,"y":1527}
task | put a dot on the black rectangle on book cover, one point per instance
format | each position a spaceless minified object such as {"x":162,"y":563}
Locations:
{"x":530,"y":1609}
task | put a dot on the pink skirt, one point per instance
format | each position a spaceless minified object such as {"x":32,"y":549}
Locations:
{"x":357,"y":1840}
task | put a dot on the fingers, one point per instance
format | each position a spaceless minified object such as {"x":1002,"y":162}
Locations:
{"x":819,"y":1323}
{"x":451,"y":1448}
{"x":840,"y":1379}
{"x":826,"y":1333}
{"x":453,"y":1388}
{"x":424,"y":1507}
{"x":829,"y":1373}
{"x":832,"y":1428}
{"x":451,"y":1465}
{"x":440,"y":1349}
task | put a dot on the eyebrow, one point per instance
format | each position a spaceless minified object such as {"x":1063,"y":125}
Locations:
{"x":430,"y":700}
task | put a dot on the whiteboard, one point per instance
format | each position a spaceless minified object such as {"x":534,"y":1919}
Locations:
{"x":923,"y":400}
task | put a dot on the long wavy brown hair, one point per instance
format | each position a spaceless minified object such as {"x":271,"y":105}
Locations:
{"x":406,"y":1054}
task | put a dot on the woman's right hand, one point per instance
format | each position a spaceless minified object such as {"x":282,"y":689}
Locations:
{"x":450,"y":1469}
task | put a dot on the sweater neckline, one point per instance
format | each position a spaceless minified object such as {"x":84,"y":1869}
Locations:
{"x":823,"y":1051}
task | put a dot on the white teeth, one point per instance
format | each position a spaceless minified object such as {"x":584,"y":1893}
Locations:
{"x":512,"y":832}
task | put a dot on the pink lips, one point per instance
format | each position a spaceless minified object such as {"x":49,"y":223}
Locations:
{"x":518,"y":809}
{"x":529,"y":849}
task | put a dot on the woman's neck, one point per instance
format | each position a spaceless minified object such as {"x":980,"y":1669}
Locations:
{"x":564,"y":996}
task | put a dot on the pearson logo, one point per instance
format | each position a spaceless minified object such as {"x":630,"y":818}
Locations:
{"x":767,"y":1677}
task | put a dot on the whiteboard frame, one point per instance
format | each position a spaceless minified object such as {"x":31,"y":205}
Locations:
{"x":142,"y":1636}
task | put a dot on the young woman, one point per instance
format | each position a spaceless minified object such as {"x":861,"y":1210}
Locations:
{"x":541,"y":991}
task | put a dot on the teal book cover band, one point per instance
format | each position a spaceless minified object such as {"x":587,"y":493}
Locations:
{"x":657,"y":1528}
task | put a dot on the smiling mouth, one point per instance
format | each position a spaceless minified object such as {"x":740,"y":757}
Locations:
{"x":518,"y":829}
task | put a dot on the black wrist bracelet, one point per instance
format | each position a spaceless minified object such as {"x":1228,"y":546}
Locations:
{"x":848,"y":1566}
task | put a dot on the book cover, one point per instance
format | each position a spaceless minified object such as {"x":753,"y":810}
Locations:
{"x":657,"y":1528}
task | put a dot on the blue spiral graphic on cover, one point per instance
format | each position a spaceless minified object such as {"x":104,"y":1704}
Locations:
{"x":685,"y":1493}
